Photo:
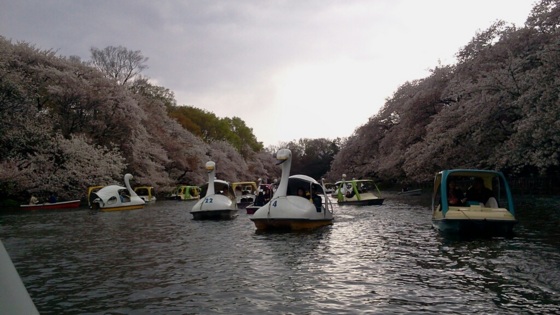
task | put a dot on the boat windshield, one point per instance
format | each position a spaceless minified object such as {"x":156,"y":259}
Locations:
{"x":296,"y":183}
{"x":366,"y":186}
{"x":458,"y":186}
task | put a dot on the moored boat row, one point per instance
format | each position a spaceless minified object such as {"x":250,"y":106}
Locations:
{"x":300,"y":202}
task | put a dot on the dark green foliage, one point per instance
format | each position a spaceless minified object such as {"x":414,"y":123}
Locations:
{"x":210,"y":128}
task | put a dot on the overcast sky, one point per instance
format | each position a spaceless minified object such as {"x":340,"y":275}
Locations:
{"x":289,"y":69}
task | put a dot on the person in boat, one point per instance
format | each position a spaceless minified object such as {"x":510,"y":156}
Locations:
{"x":317,"y":201}
{"x":301,"y":192}
{"x":33,"y":200}
{"x":480,"y":193}
{"x":455,"y":196}
{"x":195,"y":192}
{"x":350,"y":191}
{"x":238,"y":191}
{"x":259,"y":201}
{"x":124,"y":196}
{"x":52,"y":198}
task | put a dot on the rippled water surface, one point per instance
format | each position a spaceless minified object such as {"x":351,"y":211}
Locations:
{"x":374,"y":260}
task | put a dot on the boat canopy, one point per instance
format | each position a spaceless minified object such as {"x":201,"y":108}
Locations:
{"x":303,"y":181}
{"x":245,"y":187}
{"x":493,"y":180}
{"x":145,"y":190}
{"x":220,"y":187}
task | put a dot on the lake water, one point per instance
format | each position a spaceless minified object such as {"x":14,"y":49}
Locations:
{"x":373,"y":260}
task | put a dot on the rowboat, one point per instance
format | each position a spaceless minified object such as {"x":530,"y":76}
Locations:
{"x":55,"y":205}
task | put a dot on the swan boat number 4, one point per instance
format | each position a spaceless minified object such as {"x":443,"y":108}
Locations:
{"x":219,"y":199}
{"x":289,"y":211}
{"x":488,"y":211}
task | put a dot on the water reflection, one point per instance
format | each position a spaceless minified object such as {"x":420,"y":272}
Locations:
{"x":374,"y":260}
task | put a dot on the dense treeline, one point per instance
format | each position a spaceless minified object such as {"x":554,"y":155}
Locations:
{"x":497,"y":108}
{"x":68,"y":124}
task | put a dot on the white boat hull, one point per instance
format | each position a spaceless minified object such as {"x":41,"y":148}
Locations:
{"x":214,"y":207}
{"x":290,"y":213}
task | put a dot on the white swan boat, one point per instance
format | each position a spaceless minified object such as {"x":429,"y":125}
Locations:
{"x":14,"y":298}
{"x":117,"y":198}
{"x":289,"y":211}
{"x":488,"y":213}
{"x":219,"y":199}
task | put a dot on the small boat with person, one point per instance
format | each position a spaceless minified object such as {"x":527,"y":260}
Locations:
{"x":185,"y":193}
{"x":358,"y":192}
{"x":70,"y":204}
{"x":116,"y":197}
{"x":484,"y":208}
{"x":264,"y":195}
{"x":296,"y":204}
{"x":219,"y":199}
{"x":245,"y":193}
